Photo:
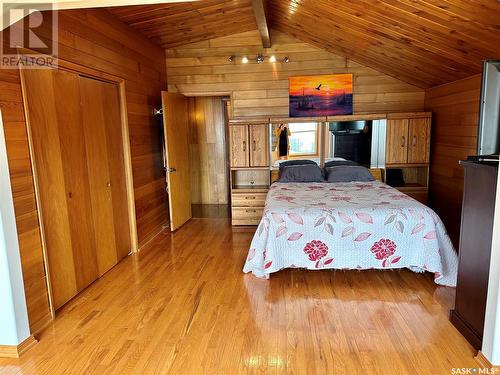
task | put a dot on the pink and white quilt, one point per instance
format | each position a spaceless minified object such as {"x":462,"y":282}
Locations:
{"x":356,"y":225}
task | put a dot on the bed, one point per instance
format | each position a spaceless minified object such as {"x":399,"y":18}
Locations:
{"x":351,"y":225}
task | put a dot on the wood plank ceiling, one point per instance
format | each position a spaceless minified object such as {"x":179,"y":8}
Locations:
{"x":422,"y":42}
{"x":175,"y":24}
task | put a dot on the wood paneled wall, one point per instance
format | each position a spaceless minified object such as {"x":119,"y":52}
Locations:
{"x":262,"y":89}
{"x":207,"y":150}
{"x":455,"y":108}
{"x":96,"y":39}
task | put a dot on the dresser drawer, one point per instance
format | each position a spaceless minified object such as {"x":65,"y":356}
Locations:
{"x":248,"y":199}
{"x":419,"y":195}
{"x":247,"y":216}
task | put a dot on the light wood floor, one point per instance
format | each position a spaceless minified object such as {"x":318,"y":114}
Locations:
{"x":183,"y":306}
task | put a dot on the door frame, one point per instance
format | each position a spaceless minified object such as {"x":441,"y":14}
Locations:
{"x":82,"y":70}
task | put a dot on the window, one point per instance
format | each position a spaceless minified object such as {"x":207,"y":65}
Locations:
{"x":303,"y":138}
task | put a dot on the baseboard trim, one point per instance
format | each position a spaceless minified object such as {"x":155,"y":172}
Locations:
{"x":483,"y":361}
{"x":15,"y":351}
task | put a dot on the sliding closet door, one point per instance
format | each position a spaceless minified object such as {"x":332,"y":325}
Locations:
{"x":53,"y":107}
{"x":102,"y":129}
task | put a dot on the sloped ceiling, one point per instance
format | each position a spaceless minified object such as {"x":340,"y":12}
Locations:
{"x":170,"y":25}
{"x":422,"y":42}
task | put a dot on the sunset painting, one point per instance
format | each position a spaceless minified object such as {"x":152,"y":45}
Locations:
{"x":324,"y":95}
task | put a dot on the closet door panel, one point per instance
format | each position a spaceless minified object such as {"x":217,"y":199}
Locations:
{"x":114,"y":137}
{"x":397,"y":142}
{"x":94,"y":126}
{"x":419,"y":131}
{"x":45,"y":147}
{"x":73,"y":154}
{"x":259,"y":145}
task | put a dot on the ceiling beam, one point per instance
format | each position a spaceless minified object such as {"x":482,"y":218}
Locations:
{"x":259,"y":10}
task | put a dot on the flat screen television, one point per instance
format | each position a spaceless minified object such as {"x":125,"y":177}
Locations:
{"x":489,"y":112}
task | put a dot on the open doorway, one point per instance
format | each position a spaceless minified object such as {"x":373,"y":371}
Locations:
{"x":208,"y":159}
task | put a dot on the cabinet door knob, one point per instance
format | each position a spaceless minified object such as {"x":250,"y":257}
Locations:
{"x":414,"y":140}
{"x":254,"y":145}
{"x":108,"y":184}
{"x":403,"y":141}
{"x":244,"y":145}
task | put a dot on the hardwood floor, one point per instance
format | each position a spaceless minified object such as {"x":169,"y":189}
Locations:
{"x":183,"y":306}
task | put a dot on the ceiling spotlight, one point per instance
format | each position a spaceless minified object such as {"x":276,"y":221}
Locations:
{"x":231,"y":59}
{"x":286,"y":60}
{"x":272,"y":59}
{"x":259,"y":59}
{"x":244,"y":60}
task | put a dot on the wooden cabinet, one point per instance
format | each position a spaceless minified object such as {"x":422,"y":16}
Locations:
{"x":249,"y":145}
{"x":247,"y":205}
{"x":77,"y":147}
{"x":238,"y":146}
{"x":397,"y":141}
{"x":408,"y":138}
{"x":259,"y":145}
{"x":408,"y":149}
{"x":419,"y":135}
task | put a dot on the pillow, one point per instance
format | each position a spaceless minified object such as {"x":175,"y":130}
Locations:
{"x":302,"y":173}
{"x":348,"y":173}
{"x":335,"y":163}
{"x":296,"y":162}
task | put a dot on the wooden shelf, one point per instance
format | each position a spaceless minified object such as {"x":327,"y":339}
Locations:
{"x":401,"y":166}
{"x":250,"y":168}
{"x":412,"y":187}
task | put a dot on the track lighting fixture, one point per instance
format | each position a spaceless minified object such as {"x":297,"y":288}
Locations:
{"x":259,"y":59}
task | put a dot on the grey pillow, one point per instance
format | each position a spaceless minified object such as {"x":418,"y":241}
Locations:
{"x":302,"y":173}
{"x":289,"y":163}
{"x":348,"y":173}
{"x":335,"y":163}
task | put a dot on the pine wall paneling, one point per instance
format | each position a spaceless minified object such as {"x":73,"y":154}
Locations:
{"x":96,"y":39}
{"x":203,"y":68}
{"x":455,"y":108}
{"x":207,"y":150}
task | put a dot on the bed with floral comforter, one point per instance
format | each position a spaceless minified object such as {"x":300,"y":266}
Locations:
{"x":354,"y":225}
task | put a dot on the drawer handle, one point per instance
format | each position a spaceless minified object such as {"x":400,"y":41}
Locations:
{"x":250,"y":211}
{"x":254,"y":145}
{"x":250,"y":197}
{"x":403,"y":141}
{"x":414,"y":140}
{"x":244,"y":145}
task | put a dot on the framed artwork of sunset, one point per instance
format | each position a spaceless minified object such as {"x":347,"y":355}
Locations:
{"x":324,"y":95}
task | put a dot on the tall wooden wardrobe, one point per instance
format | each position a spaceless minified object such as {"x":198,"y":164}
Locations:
{"x":77,"y":149}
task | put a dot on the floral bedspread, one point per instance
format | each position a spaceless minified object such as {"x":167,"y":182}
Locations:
{"x":349,"y":226}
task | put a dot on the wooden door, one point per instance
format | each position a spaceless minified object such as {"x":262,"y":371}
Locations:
{"x":103,"y":139}
{"x":238,"y":146}
{"x":60,"y":162}
{"x":259,"y":145}
{"x":175,"y":122}
{"x":419,"y":140}
{"x":397,"y":142}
